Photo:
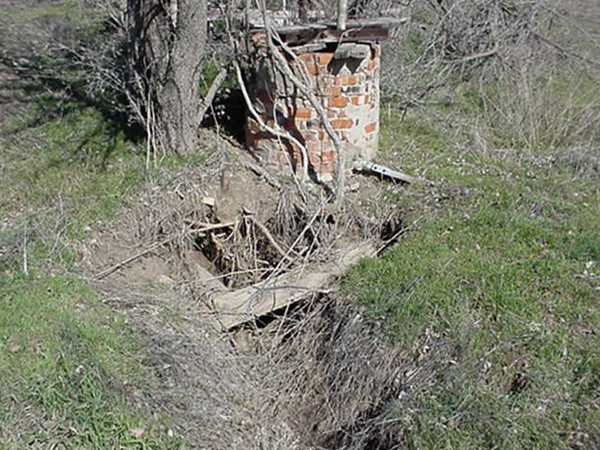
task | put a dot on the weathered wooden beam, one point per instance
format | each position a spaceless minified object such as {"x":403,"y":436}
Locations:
{"x":309,"y":48}
{"x":237,"y":307}
{"x":354,"y":34}
{"x":388,"y":173}
{"x":380,"y":22}
{"x":331,"y":35}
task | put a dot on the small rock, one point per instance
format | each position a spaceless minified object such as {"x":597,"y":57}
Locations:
{"x":14,"y":348}
{"x":242,"y":341}
{"x":136,"y":433}
{"x":209,"y":201}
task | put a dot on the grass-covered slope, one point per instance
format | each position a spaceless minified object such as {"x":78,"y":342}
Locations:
{"x":70,"y":375}
{"x":501,"y":265}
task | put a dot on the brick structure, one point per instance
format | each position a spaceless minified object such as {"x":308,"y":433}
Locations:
{"x":343,"y":73}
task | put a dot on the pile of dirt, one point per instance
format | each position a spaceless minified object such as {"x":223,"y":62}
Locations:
{"x":313,"y":374}
{"x":231,"y":223}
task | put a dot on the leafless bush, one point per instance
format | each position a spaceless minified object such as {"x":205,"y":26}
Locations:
{"x":449,"y":41}
{"x":529,"y":65}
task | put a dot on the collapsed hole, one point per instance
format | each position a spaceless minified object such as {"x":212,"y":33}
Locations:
{"x":255,"y":249}
{"x":329,"y":373}
{"x":289,"y":315}
{"x":335,"y":371}
{"x":251,"y":251}
{"x":228,"y":111}
{"x":392,"y":228}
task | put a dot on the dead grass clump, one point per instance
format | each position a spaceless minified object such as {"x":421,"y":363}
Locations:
{"x":340,"y":380}
{"x":585,"y":161}
{"x":541,"y":107}
{"x":341,"y":383}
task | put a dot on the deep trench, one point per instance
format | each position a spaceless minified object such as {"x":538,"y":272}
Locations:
{"x":370,"y":427}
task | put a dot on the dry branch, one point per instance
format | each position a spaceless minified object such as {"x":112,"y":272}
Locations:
{"x":265,"y":231}
{"x":205,"y":228}
{"x":264,"y":126}
{"x":210,"y":96}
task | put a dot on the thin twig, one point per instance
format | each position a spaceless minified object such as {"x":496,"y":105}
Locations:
{"x":25,"y":264}
{"x":262,"y":124}
{"x":270,"y":237}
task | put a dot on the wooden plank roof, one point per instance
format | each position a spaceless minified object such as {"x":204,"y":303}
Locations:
{"x":356,"y":30}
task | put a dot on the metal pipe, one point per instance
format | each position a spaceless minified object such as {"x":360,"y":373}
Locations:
{"x":342,"y":14}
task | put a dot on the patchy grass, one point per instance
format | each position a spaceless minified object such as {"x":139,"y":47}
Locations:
{"x":67,"y":368}
{"x":70,"y":371}
{"x":64,"y":157}
{"x":503,"y":267}
{"x":70,"y":375}
{"x":58,"y":10}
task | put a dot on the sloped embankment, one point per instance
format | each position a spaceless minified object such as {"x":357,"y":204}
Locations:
{"x":312,"y":372}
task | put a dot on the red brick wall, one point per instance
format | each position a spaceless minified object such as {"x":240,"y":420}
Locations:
{"x":349,"y":92}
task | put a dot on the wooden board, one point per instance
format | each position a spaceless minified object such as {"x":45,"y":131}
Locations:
{"x":376,"y":29}
{"x":237,"y":307}
{"x":382,"y":22}
{"x":373,"y":34}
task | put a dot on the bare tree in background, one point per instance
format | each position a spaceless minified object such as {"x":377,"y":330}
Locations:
{"x":166,"y":40}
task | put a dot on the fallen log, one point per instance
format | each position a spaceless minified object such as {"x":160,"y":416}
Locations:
{"x":243,"y":305}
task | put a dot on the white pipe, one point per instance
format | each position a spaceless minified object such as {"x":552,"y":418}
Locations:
{"x":342,"y":14}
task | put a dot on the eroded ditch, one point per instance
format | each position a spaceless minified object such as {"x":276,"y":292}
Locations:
{"x":314,"y":373}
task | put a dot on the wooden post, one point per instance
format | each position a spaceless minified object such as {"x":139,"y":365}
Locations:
{"x":342,"y":14}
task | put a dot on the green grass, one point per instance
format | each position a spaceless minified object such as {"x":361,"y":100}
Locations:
{"x":68,"y":365}
{"x":65,"y":158}
{"x":69,"y":9}
{"x":66,"y":362}
{"x":502,"y":266}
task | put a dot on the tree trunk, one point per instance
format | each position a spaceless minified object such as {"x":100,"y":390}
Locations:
{"x":166,"y":44}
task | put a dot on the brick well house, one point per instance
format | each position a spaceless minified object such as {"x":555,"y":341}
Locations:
{"x":342,"y":70}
